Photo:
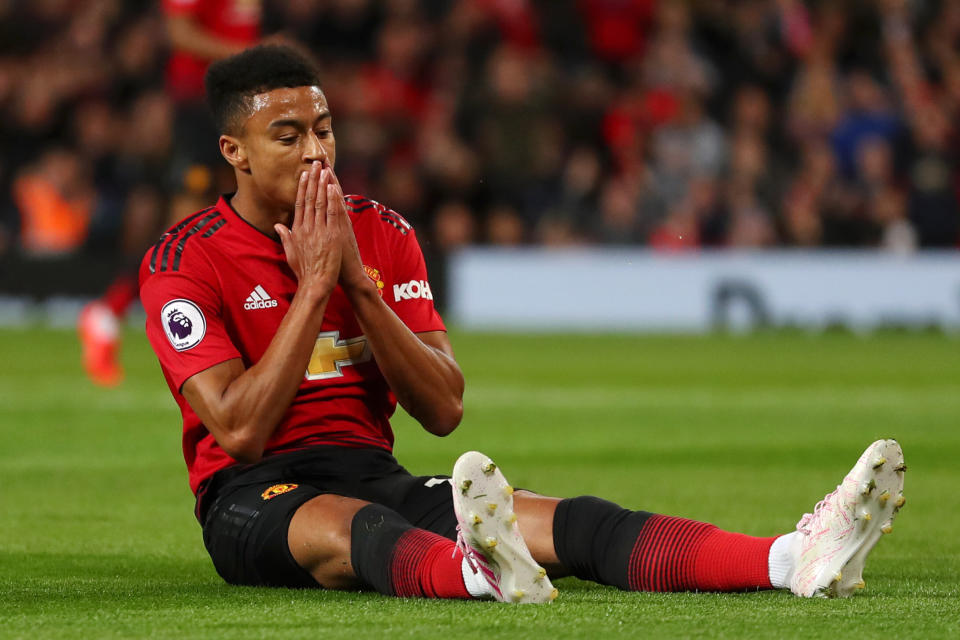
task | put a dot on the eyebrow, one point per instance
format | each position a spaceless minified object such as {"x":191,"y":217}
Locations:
{"x":296,"y":124}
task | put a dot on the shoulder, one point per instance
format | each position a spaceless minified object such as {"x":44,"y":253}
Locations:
{"x":178,"y":248}
{"x":367,"y":209}
{"x":182,"y":252}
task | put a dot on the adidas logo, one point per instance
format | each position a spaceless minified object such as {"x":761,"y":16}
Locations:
{"x":259,"y":299}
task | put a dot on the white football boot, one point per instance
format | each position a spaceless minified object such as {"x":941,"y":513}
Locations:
{"x":488,"y":534}
{"x":834,"y":540}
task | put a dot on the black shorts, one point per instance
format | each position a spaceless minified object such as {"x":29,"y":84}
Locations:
{"x":250,"y":507}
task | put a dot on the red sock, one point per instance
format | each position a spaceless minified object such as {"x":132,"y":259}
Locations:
{"x":424,"y":564}
{"x":676,"y":554}
{"x":121,"y":293}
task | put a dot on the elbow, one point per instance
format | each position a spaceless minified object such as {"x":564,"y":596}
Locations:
{"x":445,"y":421}
{"x":242,"y":446}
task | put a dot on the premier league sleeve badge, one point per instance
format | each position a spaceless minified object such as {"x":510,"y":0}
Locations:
{"x":184,"y":324}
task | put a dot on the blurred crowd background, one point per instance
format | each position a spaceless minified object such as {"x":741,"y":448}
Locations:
{"x":670,"y":124}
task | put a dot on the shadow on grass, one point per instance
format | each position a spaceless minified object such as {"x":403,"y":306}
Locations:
{"x":43,"y":581}
{"x":40,"y":579}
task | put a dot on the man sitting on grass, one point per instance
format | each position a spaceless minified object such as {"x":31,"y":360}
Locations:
{"x":289,"y":320}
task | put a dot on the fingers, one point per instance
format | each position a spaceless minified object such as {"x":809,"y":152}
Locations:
{"x":286,"y":239}
{"x":334,"y":205}
{"x":310,"y":197}
{"x":341,"y":202}
{"x":334,"y":179}
{"x":337,"y":191}
{"x":320,"y":204}
{"x":298,"y":205}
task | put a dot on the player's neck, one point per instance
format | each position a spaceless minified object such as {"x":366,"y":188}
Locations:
{"x":259,"y":214}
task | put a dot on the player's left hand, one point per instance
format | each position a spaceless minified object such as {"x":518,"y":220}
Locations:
{"x":352,"y":275}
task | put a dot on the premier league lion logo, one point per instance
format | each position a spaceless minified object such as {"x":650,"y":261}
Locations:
{"x":179,"y":324}
{"x":184,"y":324}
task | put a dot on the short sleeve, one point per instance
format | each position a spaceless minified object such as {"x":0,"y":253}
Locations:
{"x":185,"y":325}
{"x":410,"y":295}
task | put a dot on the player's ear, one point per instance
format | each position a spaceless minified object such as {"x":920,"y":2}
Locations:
{"x":234,"y":152}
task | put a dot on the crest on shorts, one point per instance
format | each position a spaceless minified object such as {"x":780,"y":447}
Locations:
{"x":374,"y":274}
{"x":277,"y":490}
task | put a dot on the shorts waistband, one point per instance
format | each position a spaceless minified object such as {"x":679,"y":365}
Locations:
{"x":334,"y":460}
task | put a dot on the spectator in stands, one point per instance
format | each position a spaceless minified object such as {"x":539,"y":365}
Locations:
{"x":56,"y":200}
{"x":569,"y":220}
{"x":673,"y":124}
{"x":932,"y":175}
{"x":744,"y":217}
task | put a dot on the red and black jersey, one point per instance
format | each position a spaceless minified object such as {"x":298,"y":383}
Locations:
{"x":215,"y":288}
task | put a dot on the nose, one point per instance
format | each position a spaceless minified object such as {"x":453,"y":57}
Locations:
{"x":314,"y":149}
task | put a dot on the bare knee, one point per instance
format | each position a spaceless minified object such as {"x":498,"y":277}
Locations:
{"x":319,"y":539}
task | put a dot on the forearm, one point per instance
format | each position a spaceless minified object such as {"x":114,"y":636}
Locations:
{"x":428,"y":383}
{"x":253,"y":404}
{"x":242,"y":407}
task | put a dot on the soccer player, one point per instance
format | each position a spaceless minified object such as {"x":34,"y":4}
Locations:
{"x":290,"y":319}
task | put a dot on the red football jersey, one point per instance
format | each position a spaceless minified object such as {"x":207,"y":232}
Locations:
{"x":214,"y":288}
{"x":235,"y":20}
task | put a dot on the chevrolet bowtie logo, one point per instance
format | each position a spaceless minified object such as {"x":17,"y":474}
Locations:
{"x":331,"y":354}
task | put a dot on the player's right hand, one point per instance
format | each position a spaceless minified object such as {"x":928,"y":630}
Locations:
{"x":312,"y":243}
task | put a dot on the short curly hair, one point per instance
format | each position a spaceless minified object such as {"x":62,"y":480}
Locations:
{"x":232,"y":82}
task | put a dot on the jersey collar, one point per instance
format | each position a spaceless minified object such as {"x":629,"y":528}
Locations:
{"x":245,"y":228}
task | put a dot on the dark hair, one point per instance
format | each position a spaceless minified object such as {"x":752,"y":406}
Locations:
{"x":232,"y":82}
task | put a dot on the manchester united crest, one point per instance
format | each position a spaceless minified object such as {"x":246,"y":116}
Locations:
{"x":278,"y":489}
{"x":374,"y":274}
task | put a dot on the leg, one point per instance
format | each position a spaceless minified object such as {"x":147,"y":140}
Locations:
{"x":512,"y":534}
{"x":600,"y":541}
{"x":597,"y":540}
{"x":294,"y":536}
{"x":398,"y":559}
{"x":639,"y":551}
{"x":535,"y":518}
{"x":319,"y":540}
{"x":506,"y":572}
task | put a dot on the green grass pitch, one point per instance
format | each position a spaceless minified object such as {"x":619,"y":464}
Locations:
{"x":97,"y":536}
